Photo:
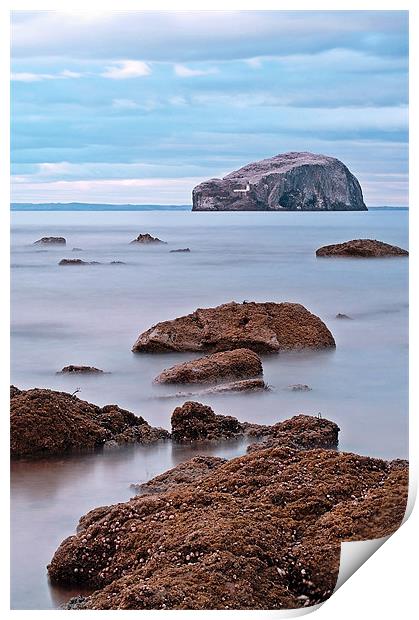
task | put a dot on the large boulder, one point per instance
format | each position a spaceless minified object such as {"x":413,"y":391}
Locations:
{"x":147,"y":239}
{"x":362,"y":248}
{"x":263,"y":327}
{"x":46,"y":422}
{"x":286,"y":182}
{"x":236,"y":364}
{"x":262,"y":531}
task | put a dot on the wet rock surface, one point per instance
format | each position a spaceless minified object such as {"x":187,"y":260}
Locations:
{"x":261,"y":531}
{"x":45,"y":423}
{"x":236,"y":364}
{"x":71,"y":368}
{"x":50,"y":241}
{"x":146,"y":239}
{"x":245,"y":385}
{"x":362,"y":248}
{"x":193,"y":470}
{"x":262,"y":327}
{"x":287,"y":182}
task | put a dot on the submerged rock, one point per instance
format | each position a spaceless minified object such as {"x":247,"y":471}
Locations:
{"x":147,"y":239}
{"x":299,"y":387}
{"x":50,"y":241}
{"x":362,"y":248}
{"x":46,"y":422}
{"x":72,"y":369}
{"x":262,"y":531}
{"x":77,"y":250}
{"x":342,"y":316}
{"x":244,"y":385}
{"x":180,"y":250}
{"x":236,"y":364}
{"x":287,"y":182}
{"x":263,"y":327}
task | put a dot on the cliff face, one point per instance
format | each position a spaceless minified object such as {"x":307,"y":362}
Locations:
{"x":287,"y":182}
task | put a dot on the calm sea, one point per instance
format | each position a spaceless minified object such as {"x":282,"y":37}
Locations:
{"x":93,"y":314}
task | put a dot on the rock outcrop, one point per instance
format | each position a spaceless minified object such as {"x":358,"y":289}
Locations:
{"x":194,"y":421}
{"x":236,"y":364}
{"x":261,"y":531}
{"x":362,"y":248}
{"x":50,"y":241}
{"x":262,"y":327}
{"x":72,"y":369}
{"x":147,"y":239}
{"x":286,"y":182}
{"x":45,"y":423}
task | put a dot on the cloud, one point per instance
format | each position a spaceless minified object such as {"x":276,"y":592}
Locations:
{"x":253,"y":63}
{"x":185,"y":36}
{"x":23,"y":76}
{"x":126,"y":69}
{"x":125,"y":104}
{"x":183,"y":71}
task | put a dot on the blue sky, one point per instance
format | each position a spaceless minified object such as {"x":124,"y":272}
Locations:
{"x":140,"y":107}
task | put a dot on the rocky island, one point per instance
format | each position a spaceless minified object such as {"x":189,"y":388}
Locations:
{"x":286,"y":182}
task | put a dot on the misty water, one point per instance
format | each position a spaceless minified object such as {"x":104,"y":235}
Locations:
{"x":93,"y":314}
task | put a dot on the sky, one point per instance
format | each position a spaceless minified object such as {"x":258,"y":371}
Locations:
{"x":139,"y":107}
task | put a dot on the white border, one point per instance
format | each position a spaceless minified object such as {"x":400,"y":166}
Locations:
{"x":386,"y":585}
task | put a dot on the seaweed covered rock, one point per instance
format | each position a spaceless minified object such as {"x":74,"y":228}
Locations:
{"x":194,"y":421}
{"x":362,"y":248}
{"x":45,"y":422}
{"x":261,"y":531}
{"x":262,"y":327}
{"x":236,"y":364}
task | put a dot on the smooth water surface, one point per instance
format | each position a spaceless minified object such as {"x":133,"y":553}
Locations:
{"x":93,"y":314}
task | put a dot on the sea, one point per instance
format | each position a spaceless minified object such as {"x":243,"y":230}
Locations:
{"x":92,"y":315}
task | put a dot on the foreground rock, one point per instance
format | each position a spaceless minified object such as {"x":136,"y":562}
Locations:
{"x":236,"y":364}
{"x":286,"y":182}
{"x":262,"y":531}
{"x":72,"y":369}
{"x":50,"y":241}
{"x":362,"y":248}
{"x":262,"y":327}
{"x":46,"y":423}
{"x":147,"y":239}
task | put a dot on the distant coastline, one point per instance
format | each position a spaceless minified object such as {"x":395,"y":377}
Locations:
{"x":86,"y":206}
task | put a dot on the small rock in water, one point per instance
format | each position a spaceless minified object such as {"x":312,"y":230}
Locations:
{"x":180,"y":250}
{"x":342,"y":316}
{"x":80,"y":369}
{"x":147,"y":239}
{"x":77,"y":261}
{"x":362,"y":248}
{"x":117,"y":262}
{"x":300,"y":387}
{"x":77,"y":250}
{"x":50,"y":241}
